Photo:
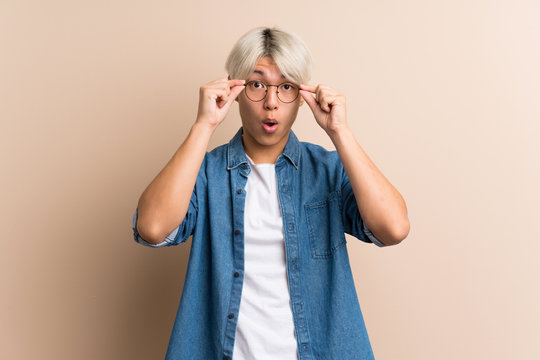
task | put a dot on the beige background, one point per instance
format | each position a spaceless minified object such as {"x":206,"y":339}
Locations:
{"x":95,"y":97}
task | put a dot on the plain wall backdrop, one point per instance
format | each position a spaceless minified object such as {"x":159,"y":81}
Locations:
{"x":96,"y":96}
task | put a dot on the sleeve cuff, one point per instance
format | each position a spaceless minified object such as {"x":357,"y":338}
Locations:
{"x":372,"y":237}
{"x":167,"y":242}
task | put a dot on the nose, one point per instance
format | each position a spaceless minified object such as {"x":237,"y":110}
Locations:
{"x":271,"y":100}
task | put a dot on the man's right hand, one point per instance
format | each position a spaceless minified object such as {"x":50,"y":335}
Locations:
{"x":165,"y":202}
{"x":215,"y":99}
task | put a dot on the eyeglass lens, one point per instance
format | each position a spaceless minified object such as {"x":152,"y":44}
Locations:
{"x":286,"y":92}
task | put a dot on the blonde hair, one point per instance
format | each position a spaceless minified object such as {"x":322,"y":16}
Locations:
{"x":288,"y":50}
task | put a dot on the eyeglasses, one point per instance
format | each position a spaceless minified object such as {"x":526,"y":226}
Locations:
{"x":257,"y":90}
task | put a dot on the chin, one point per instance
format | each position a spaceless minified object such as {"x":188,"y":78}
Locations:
{"x":265,"y":139}
{"x":268,"y":142}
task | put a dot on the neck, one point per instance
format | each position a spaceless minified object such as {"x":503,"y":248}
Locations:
{"x":263,"y":154}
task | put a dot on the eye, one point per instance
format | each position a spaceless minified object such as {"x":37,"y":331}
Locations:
{"x":288,"y":87}
{"x":257,"y":84}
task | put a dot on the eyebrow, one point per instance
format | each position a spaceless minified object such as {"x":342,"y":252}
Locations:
{"x":262,"y":73}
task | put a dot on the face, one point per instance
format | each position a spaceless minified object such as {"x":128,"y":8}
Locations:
{"x":266,"y":123}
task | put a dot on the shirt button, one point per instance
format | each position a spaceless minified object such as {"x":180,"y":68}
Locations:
{"x":231,"y":315}
{"x":236,"y":274}
{"x":244,"y":166}
{"x":239,"y":191}
{"x":236,"y":232}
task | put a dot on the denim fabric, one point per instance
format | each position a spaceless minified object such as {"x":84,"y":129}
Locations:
{"x":318,"y":207}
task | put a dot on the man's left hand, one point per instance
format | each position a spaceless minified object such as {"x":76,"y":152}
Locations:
{"x":327,"y":105}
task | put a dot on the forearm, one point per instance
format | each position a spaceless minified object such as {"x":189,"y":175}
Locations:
{"x":164,"y":203}
{"x":381,"y":206}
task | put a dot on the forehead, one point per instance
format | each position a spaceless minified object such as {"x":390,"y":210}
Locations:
{"x":266,"y":68}
{"x":266,"y":74}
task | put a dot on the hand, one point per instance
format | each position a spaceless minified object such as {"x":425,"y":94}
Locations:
{"x":215,"y":99}
{"x":328,"y":106}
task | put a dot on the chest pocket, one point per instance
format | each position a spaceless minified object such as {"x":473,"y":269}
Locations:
{"x":325,"y":228}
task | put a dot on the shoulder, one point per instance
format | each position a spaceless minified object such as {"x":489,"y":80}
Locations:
{"x":317,"y":155}
{"x":320,"y":163}
{"x":213,"y":166}
{"x":216,"y":157}
{"x":321,"y":169}
{"x":218,"y":152}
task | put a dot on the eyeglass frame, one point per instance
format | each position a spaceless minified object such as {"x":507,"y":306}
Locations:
{"x":277,"y":92}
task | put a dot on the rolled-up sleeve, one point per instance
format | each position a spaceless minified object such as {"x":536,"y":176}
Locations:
{"x":167,"y":242}
{"x":372,"y":237}
{"x":187,"y":226}
{"x":352,"y":221}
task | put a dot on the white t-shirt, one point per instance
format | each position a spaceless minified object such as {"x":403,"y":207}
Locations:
{"x":265,"y":328}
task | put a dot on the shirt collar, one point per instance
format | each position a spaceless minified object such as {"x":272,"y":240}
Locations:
{"x":236,"y":154}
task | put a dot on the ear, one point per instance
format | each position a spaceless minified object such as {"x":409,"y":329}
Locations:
{"x":301,"y":101}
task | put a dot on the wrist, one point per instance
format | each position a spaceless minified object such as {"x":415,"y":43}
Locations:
{"x":205,"y":125}
{"x":203,"y":128}
{"x":339,"y":133}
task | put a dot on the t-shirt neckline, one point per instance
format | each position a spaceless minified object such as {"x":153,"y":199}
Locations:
{"x":251,"y":162}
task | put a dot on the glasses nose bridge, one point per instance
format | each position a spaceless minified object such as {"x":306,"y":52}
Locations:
{"x":277,"y":87}
{"x":267,"y":88}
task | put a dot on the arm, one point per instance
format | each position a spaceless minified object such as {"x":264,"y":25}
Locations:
{"x":381,"y":206}
{"x":164,"y":203}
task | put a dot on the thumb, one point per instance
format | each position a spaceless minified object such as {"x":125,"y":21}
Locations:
{"x":310,"y":99}
{"x":235,"y":91}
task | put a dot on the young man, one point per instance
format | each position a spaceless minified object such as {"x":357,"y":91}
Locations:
{"x":268,"y":274}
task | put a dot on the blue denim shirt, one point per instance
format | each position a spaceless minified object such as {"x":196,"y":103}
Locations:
{"x":318,"y":207}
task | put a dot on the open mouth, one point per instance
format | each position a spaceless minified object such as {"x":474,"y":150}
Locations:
{"x":270,"y":125}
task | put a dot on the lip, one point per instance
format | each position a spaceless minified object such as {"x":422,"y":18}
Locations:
{"x":270,"y":125}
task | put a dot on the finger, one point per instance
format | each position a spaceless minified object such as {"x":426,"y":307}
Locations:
{"x":220,"y":93}
{"x":325,"y":99}
{"x":324,"y":105}
{"x":221,"y":100}
{"x":319,"y":93}
{"x":326,"y":102}
{"x":235,"y":91}
{"x":319,"y":97}
{"x":223,"y":93}
{"x":235,"y":82}
{"x":312,"y":103}
{"x":307,"y":87}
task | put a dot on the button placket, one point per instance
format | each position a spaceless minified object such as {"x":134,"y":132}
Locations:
{"x":287,"y":178}
{"x":238,"y":177}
